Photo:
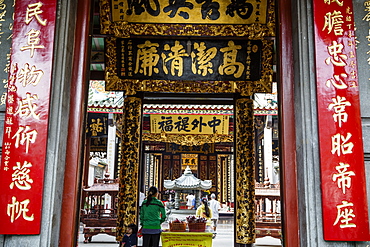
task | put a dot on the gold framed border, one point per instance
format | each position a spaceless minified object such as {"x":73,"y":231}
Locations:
{"x":131,"y":86}
{"x":124,"y":29}
{"x":187,"y":140}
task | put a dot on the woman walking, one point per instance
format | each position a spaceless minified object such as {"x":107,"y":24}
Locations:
{"x":152,"y":215}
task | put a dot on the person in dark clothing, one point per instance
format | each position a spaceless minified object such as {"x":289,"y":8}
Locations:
{"x":152,"y":215}
{"x":130,"y":238}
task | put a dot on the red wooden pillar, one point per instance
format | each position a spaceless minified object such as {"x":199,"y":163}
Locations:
{"x":74,"y":156}
{"x":287,"y":142}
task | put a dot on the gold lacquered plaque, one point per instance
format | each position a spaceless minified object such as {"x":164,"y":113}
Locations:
{"x":190,"y":11}
{"x":254,"y":19}
{"x":195,"y":60}
{"x":189,"y":124}
{"x":114,"y":82}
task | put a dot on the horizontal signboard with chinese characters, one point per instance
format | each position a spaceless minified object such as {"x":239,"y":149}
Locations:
{"x":254,"y":19}
{"x":344,"y":200}
{"x":190,"y":11}
{"x":184,"y":59}
{"x":190,"y":74}
{"x":26,"y":120}
{"x":177,"y":148}
{"x":189,"y":124}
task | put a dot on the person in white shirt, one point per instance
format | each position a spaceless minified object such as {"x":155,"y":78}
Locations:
{"x":190,"y":198}
{"x":215,"y":207}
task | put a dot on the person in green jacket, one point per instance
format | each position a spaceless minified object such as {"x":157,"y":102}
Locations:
{"x":152,"y":215}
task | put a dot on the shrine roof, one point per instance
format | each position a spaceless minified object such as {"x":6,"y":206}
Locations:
{"x":188,"y":182}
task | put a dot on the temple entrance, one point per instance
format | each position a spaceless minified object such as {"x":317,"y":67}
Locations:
{"x":232,"y":160}
{"x":163,"y":156}
{"x":210,"y":157}
{"x":102,"y":27}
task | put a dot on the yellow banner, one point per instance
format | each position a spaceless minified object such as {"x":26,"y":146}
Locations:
{"x":186,"y":239}
{"x":190,"y":12}
{"x":189,"y":124}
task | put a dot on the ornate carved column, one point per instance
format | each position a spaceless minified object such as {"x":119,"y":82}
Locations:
{"x":244,"y":174}
{"x":177,"y":200}
{"x":129,"y":177}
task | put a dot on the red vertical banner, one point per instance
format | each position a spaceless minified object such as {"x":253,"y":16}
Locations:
{"x":343,"y":184}
{"x":26,"y":120}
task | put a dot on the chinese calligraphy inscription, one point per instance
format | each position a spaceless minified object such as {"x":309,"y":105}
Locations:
{"x":189,"y":124}
{"x":182,"y":59}
{"x":26,"y":120}
{"x":190,"y":11}
{"x":345,"y":215}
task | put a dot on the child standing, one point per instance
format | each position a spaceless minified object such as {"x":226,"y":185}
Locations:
{"x":130,"y":238}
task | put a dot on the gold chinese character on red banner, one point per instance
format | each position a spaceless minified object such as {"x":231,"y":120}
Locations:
{"x":33,"y":42}
{"x":27,"y":108}
{"x":339,"y":105}
{"x":340,"y":3}
{"x":21,"y":177}
{"x":333,"y":22}
{"x":25,"y":136}
{"x":337,"y":58}
{"x":340,"y":144}
{"x":34,"y":10}
{"x":30,"y":75}
{"x":338,"y":81}
{"x":345,"y":215}
{"x":17,"y":209}
{"x":343,"y":177}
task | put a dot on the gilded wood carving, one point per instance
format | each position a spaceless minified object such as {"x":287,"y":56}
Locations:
{"x":130,"y":86}
{"x":244,"y":175}
{"x":125,"y":29}
{"x":188,"y":140}
{"x":128,"y":191}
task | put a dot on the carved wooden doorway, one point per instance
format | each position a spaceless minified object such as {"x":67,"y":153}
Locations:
{"x":134,"y":48}
{"x":285,"y":76}
{"x":244,"y":168}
